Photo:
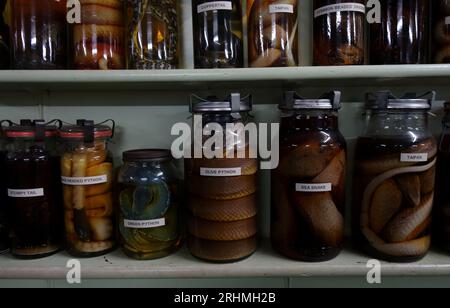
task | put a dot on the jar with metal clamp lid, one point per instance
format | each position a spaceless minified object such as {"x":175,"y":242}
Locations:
{"x":441,"y":31}
{"x":4,"y":236}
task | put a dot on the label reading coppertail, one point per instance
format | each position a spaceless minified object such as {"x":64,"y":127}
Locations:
{"x":281,"y":8}
{"x":447,"y":20}
{"x":413,"y":157}
{"x":25,"y":193}
{"x":91,"y":180}
{"x":308,"y":187}
{"x":214,"y":5}
{"x":341,"y":7}
{"x":144,"y":224}
{"x":220,"y":172}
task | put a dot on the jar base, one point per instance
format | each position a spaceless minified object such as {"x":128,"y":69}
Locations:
{"x":143,"y":256}
{"x":87,"y":255}
{"x":34,"y":256}
{"x":300,"y":255}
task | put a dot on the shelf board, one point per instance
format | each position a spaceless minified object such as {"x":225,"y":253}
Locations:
{"x":264,"y":263}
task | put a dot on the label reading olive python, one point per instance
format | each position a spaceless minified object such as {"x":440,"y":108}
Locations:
{"x":144,"y":224}
{"x":447,"y":20}
{"x":25,"y":193}
{"x":334,"y":8}
{"x":91,"y":180}
{"x":215,"y":5}
{"x":218,"y":172}
{"x":308,"y":187}
{"x":281,"y":8}
{"x":413,"y":157}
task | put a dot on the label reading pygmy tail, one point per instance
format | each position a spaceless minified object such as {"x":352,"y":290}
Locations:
{"x":214,"y":5}
{"x":308,"y":187}
{"x":220,"y":171}
{"x":144,"y":224}
{"x":447,"y":20}
{"x":341,"y":7}
{"x":25,"y":193}
{"x":414,"y":157}
{"x":91,"y":180}
{"x":281,"y":8}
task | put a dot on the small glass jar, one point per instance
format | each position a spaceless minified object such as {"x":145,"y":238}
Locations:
{"x":402,"y":35}
{"x":4,"y":38}
{"x":87,"y":177}
{"x":38,"y":33}
{"x":221,"y":182}
{"x":339,"y":32}
{"x":98,"y":41}
{"x":308,"y":186}
{"x":218,"y":39}
{"x":152,"y":34}
{"x":394,"y":178}
{"x":441,"y":31}
{"x":149,"y":201}
{"x":272,"y":33}
{"x":33,"y":190}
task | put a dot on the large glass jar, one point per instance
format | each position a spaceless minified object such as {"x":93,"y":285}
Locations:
{"x":308,"y":186}
{"x":87,"y":177}
{"x":38,"y":33}
{"x":272,"y":33}
{"x":4,"y":38}
{"x":33,"y":190}
{"x":394,"y":179}
{"x":152,"y":34}
{"x":218,"y":40}
{"x":339,"y":32}
{"x":441,"y":31}
{"x":402,"y":36}
{"x":221,"y":181}
{"x":149,"y":201}
{"x":98,"y":41}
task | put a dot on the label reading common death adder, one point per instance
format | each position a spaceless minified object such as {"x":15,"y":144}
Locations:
{"x":215,"y":5}
{"x":281,"y":8}
{"x":413,"y":157}
{"x":447,"y":20}
{"x":144,"y":224}
{"x":90,"y":180}
{"x":334,"y":8}
{"x":308,"y":187}
{"x":25,"y":193}
{"x":220,"y":172}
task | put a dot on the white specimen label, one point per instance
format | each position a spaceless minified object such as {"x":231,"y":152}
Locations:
{"x":447,"y":20}
{"x":25,"y":193}
{"x":215,"y":5}
{"x":414,"y":157}
{"x":308,"y":187}
{"x":144,"y":224}
{"x":334,"y":8}
{"x":281,"y":8}
{"x":90,"y":180}
{"x":220,"y":172}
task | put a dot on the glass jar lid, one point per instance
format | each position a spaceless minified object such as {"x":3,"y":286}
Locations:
{"x":385,"y":100}
{"x":293,"y":101}
{"x":147,"y":155}
{"x":32,"y":129}
{"x":87,"y":130}
{"x":212,"y":104}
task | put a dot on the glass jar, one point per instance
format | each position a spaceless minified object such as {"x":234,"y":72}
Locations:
{"x":394,"y":178}
{"x":339,"y":32}
{"x":98,"y":41}
{"x":38,"y":33}
{"x":152,"y":34}
{"x":149,"y":187}
{"x":402,"y":36}
{"x":272,"y":33}
{"x":4,"y":234}
{"x":308,"y":186}
{"x":87,"y":177}
{"x":221,"y":182}
{"x":4,"y":38}
{"x":441,"y":31}
{"x":33,"y":190}
{"x":218,"y":40}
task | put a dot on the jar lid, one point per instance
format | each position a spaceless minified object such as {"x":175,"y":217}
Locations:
{"x":233,"y":104}
{"x":385,"y":100}
{"x":87,"y":130}
{"x":35,"y":129}
{"x":328,"y":101}
{"x":147,"y":155}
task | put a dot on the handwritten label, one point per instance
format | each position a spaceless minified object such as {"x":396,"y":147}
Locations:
{"x":220,"y":172}
{"x":144,"y":224}
{"x":414,"y":157}
{"x":447,"y":20}
{"x":91,"y":180}
{"x":334,"y":8}
{"x":25,"y":193}
{"x":281,"y":8}
{"x":308,"y":187}
{"x":214,"y":6}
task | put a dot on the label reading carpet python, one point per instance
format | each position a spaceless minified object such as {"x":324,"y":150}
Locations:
{"x":281,"y":8}
{"x":144,"y":224}
{"x":308,"y":187}
{"x":334,"y":8}
{"x":219,"y":172}
{"x":214,"y":5}
{"x":25,"y":193}
{"x":414,"y":157}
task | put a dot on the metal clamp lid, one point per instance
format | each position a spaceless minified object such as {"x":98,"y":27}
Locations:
{"x":328,"y":101}
{"x":233,"y":104}
{"x":385,"y":100}
{"x":88,"y":131}
{"x":39,"y":130}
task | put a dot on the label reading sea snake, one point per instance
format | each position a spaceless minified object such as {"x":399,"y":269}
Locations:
{"x":413,"y":157}
{"x":308,"y":187}
{"x":281,"y":8}
{"x":447,"y":20}
{"x":334,"y":8}
{"x":215,"y":5}
{"x":91,"y":180}
{"x":220,"y":172}
{"x":144,"y":224}
{"x":25,"y":193}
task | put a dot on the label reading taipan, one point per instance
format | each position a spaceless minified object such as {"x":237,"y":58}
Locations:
{"x":144,"y":224}
{"x":447,"y":20}
{"x":281,"y":8}
{"x":414,"y":157}
{"x":81,"y":181}
{"x":220,"y":172}
{"x":308,"y":187}
{"x":214,"y":6}
{"x":25,"y":193}
{"x":341,"y":7}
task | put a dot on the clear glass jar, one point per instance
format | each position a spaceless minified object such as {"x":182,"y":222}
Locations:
{"x":4,"y":38}
{"x":149,"y":201}
{"x":152,"y":34}
{"x":38,"y":33}
{"x":308,"y":186}
{"x":402,"y":36}
{"x":33,"y":190}
{"x":339,"y":32}
{"x":394,"y":178}
{"x":218,"y":39}
{"x":221,"y":182}
{"x":272,"y":33}
{"x":87,"y":178}
{"x":441,"y":31}
{"x":98,"y":41}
